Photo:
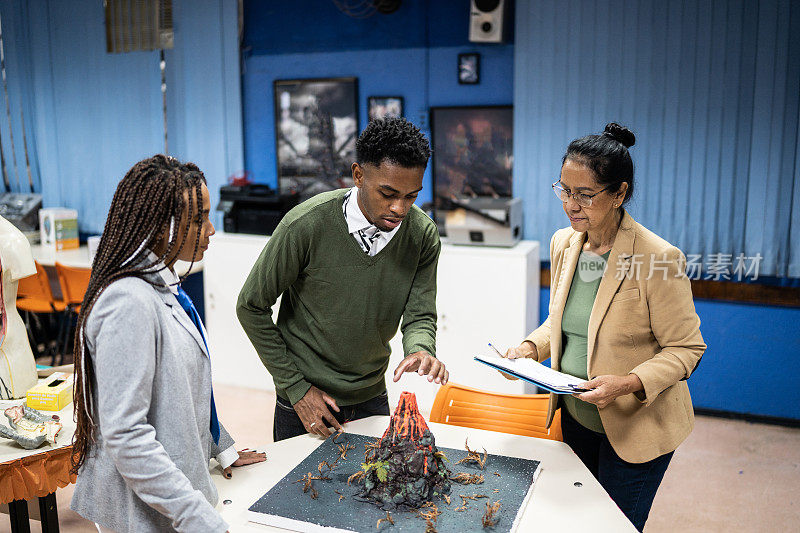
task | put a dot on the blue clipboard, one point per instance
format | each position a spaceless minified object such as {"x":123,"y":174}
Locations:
{"x":538,"y":384}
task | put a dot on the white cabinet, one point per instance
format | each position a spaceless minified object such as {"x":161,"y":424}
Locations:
{"x":226,"y":265}
{"x":484,"y":294}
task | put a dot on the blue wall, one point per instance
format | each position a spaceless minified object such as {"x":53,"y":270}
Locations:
{"x":412,"y":53}
{"x":17,"y":41}
{"x":94,"y":114}
{"x":752,"y":364}
{"x":709,"y":88}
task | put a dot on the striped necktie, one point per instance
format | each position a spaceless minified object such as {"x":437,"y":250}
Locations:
{"x":367,"y":238}
{"x":188,"y":306}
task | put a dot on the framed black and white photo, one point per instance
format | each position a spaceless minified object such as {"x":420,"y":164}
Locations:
{"x":316,"y":126}
{"x":469,"y":69}
{"x":384,"y":106}
{"x":472,"y":153}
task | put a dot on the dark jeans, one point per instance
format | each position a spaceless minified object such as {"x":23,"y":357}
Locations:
{"x":632,"y":486}
{"x":288,"y":424}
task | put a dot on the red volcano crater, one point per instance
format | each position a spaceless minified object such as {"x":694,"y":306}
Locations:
{"x":405,"y":467}
{"x":407,"y":423}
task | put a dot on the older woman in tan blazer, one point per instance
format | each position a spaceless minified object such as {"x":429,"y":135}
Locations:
{"x":622,"y":317}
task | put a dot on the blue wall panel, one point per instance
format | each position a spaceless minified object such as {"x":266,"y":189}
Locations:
{"x":406,"y":78}
{"x":204,"y":107}
{"x":424,"y":77}
{"x":709,"y":88}
{"x":283,"y":27}
{"x":497,"y":80}
{"x":94,"y":114}
{"x":751,"y":365}
{"x":18,"y":44}
{"x":104,"y":112}
{"x":411,"y":53}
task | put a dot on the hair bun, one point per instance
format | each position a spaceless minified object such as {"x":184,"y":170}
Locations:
{"x":620,"y":134}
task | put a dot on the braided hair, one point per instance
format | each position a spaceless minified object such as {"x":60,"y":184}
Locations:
{"x":149,"y":201}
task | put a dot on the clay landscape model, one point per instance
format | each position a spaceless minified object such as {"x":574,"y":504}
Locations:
{"x":400,"y":482}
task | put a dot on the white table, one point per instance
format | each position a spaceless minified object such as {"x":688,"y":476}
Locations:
{"x":557,"y":503}
{"x":79,"y":258}
{"x":47,"y":257}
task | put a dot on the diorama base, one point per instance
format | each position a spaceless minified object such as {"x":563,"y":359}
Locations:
{"x":508,"y":480}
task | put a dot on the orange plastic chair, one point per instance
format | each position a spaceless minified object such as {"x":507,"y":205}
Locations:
{"x":74,"y":282}
{"x":34,"y":294}
{"x":519,"y":414}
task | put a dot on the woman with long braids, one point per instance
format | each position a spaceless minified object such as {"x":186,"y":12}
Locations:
{"x":146,"y":421}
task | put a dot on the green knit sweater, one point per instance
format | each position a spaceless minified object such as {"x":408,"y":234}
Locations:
{"x":340,"y":307}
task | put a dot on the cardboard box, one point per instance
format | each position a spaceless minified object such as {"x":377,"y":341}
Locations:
{"x":58,"y":227}
{"x":53,"y":394}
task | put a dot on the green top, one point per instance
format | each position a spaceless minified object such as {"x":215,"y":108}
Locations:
{"x":340,"y":307}
{"x":575,"y":328}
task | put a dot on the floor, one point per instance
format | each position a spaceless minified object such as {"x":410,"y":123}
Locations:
{"x":728,"y":476}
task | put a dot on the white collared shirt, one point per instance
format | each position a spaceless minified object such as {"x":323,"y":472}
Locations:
{"x":172,"y":281}
{"x":371,"y":239}
{"x":228,"y":456}
{"x":167,"y":275}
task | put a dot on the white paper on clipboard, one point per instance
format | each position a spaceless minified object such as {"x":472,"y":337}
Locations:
{"x":535,"y":372}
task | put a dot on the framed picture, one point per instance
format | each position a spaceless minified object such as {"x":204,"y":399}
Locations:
{"x":469,"y":69}
{"x":384,"y":106}
{"x":316,"y":126}
{"x":472,"y":153}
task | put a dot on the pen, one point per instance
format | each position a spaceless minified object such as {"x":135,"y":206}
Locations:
{"x":495,"y":349}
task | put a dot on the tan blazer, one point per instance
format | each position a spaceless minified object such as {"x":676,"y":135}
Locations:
{"x":643,"y":322}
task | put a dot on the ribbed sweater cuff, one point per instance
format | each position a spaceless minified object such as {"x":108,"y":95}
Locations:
{"x":297,"y":391}
{"x":419,"y":348}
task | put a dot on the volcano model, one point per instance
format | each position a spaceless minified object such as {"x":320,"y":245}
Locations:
{"x":404,"y":467}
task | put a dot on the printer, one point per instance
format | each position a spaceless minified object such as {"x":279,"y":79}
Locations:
{"x":483,"y":221}
{"x":22,"y":210}
{"x":253,"y":208}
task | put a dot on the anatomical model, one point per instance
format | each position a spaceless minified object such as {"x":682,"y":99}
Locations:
{"x":17,"y":366}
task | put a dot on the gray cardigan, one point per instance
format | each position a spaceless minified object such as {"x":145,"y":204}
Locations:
{"x":148,"y":469}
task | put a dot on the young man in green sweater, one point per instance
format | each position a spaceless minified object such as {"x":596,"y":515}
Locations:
{"x":350,"y":264}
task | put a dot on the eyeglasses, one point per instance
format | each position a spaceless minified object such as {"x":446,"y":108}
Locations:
{"x":583,"y":200}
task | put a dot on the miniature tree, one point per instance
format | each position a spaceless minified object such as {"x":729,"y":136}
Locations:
{"x":404,"y":467}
